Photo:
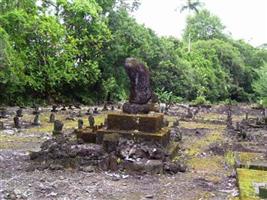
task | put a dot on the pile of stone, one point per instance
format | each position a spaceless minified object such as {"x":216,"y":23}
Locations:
{"x":61,"y":152}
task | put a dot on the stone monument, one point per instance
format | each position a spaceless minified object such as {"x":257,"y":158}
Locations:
{"x":52,"y":118}
{"x":136,"y":121}
{"x":140,"y":90}
{"x":36,"y":120}
{"x":58,"y":128}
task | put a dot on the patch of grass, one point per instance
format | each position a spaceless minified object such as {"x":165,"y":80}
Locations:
{"x":47,"y":127}
{"x":213,"y":116}
{"x":230,"y":158}
{"x":9,"y":142}
{"x":247,"y":157}
{"x":200,"y":144}
{"x":246,"y":178}
{"x":194,"y":125}
{"x":210,"y":164}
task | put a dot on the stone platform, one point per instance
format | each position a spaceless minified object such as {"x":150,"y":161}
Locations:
{"x":138,"y":127}
{"x":162,"y":136}
{"x":141,"y":122}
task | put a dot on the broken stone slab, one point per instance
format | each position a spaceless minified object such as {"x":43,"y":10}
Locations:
{"x":144,"y":166}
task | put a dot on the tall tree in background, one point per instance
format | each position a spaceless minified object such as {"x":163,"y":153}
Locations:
{"x":203,"y":26}
{"x":191,"y":5}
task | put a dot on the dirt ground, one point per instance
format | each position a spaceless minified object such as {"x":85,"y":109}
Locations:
{"x":210,"y":174}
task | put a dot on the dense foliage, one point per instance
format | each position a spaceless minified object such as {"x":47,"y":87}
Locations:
{"x":73,"y":51}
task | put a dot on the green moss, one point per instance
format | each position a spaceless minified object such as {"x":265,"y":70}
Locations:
{"x":246,"y":178}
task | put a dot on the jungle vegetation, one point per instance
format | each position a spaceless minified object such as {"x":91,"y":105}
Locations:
{"x":73,"y":51}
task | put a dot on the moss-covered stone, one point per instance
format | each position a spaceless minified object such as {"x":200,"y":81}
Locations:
{"x":246,"y":179}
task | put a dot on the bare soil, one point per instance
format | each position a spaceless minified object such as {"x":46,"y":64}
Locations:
{"x":204,"y":147}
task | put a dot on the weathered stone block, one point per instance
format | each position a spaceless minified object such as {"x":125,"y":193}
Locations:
{"x":121,"y":122}
{"x":162,"y":137}
{"x":151,"y":123}
{"x":144,"y":123}
{"x":87,"y":135}
{"x":110,"y":142}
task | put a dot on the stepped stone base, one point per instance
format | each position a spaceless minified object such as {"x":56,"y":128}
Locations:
{"x":162,"y":136}
{"x":138,"y":127}
{"x":141,"y":122}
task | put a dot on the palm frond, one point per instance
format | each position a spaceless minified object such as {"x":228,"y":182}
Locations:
{"x":183,"y":8}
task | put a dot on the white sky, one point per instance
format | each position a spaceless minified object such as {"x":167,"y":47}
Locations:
{"x":244,"y":19}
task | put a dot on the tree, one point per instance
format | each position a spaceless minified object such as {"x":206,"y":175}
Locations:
{"x":191,"y":5}
{"x":260,"y":85}
{"x":203,"y":26}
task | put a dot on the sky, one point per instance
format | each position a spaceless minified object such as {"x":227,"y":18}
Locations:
{"x":244,"y":19}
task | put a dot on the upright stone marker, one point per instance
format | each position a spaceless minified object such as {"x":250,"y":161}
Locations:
{"x":80,"y":124}
{"x":17,"y":123}
{"x":52,"y":118}
{"x":58,"y":128}
{"x":36,"y":121}
{"x":140,"y":91}
{"x":19,"y":112}
{"x":91,"y":120}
